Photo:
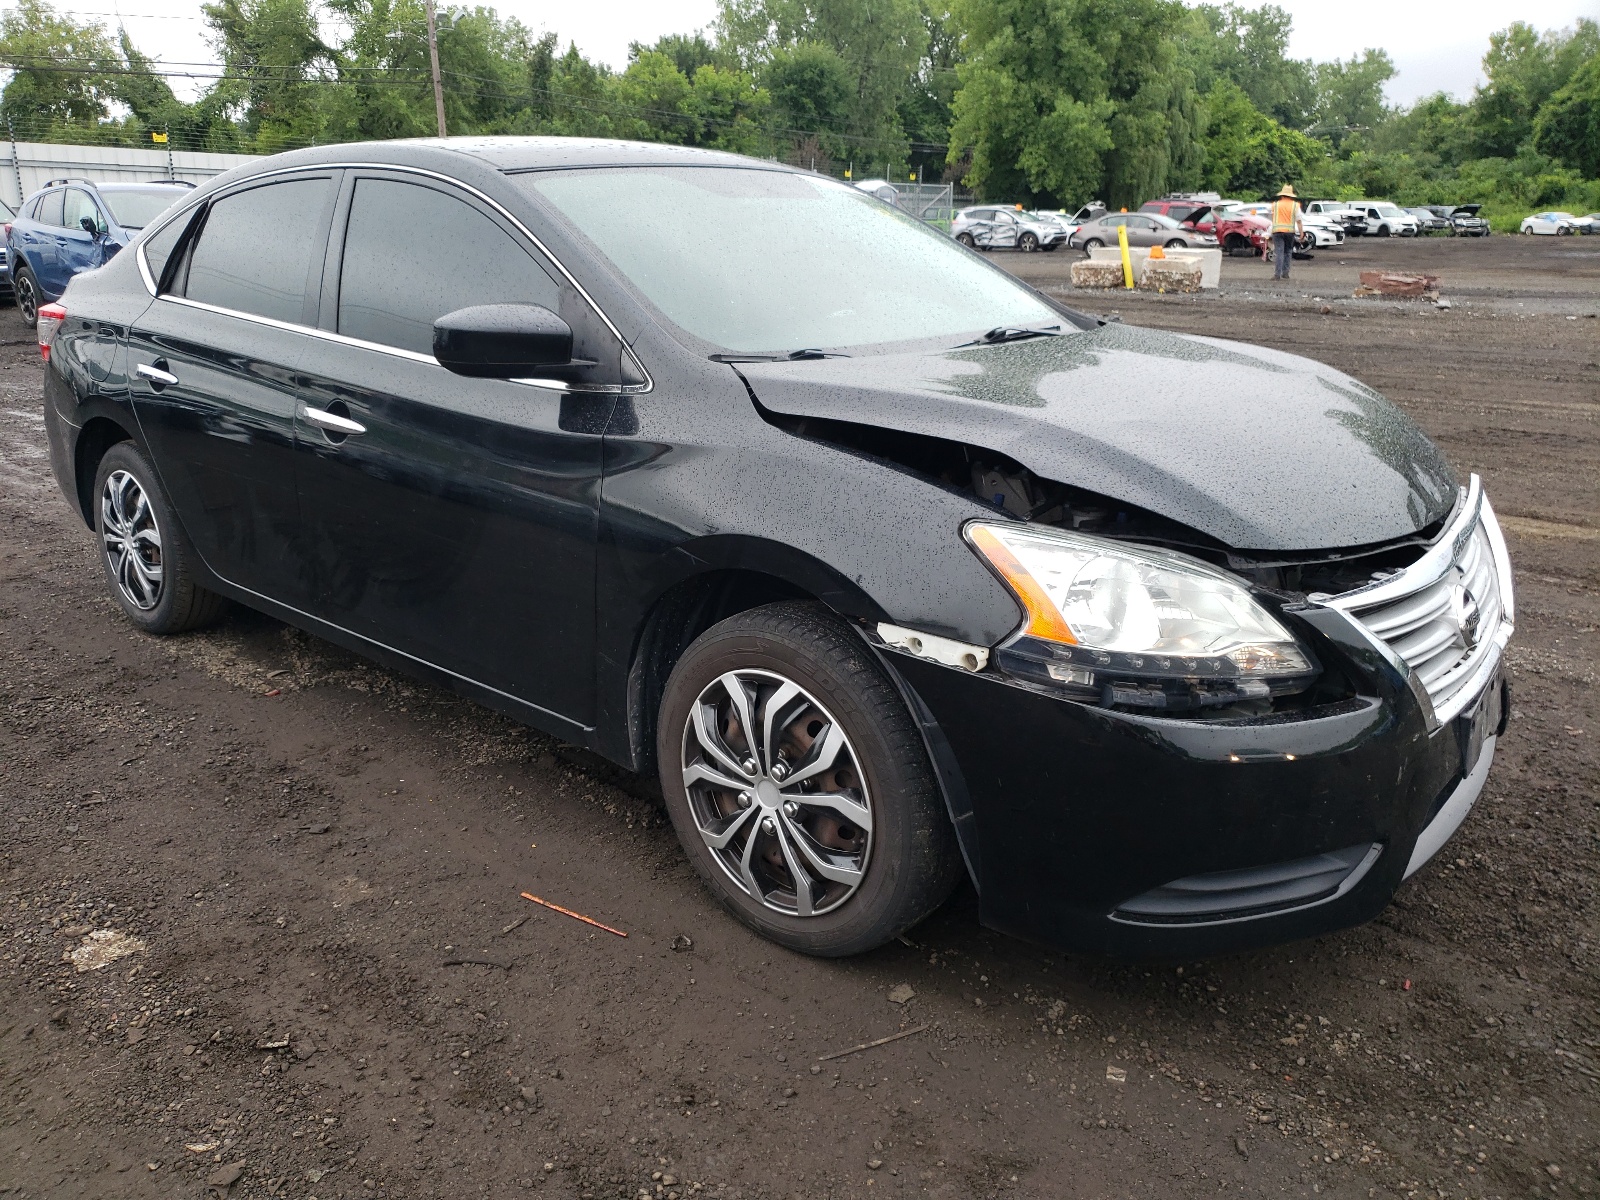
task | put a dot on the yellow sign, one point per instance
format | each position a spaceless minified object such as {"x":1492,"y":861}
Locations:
{"x":158,"y":137}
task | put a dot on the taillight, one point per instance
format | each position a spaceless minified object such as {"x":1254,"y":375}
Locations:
{"x":50,"y":318}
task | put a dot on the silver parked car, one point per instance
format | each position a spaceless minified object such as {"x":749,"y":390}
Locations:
{"x":1431,"y":218}
{"x":1144,"y":229}
{"x":989,"y":227}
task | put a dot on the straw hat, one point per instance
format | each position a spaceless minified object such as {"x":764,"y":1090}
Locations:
{"x":1288,"y":190}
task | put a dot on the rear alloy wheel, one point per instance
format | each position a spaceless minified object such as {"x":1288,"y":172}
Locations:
{"x":799,"y":785}
{"x":967,"y":240}
{"x":1028,"y":243}
{"x":143,"y":550}
{"x":26,"y":288}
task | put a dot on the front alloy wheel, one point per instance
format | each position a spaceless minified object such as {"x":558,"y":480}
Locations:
{"x":777,"y":793}
{"x":799,"y":785}
{"x":131,"y":540}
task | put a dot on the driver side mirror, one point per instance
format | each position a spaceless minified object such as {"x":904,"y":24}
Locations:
{"x":91,"y":226}
{"x":502,"y":341}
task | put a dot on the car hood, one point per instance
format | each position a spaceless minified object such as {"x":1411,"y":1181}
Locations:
{"x":1259,"y":449}
{"x":1465,"y":210}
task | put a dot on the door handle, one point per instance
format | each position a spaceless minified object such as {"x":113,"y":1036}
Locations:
{"x":332,"y":422}
{"x":157,"y":377}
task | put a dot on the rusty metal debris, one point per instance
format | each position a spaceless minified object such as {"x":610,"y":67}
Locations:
{"x":576,"y":916}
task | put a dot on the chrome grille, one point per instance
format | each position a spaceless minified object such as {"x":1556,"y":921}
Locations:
{"x":1444,"y":620}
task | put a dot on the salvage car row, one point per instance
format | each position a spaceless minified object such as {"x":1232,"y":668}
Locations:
{"x":1190,"y":221}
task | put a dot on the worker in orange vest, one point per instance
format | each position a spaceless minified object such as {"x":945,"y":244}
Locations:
{"x":1285,"y":230}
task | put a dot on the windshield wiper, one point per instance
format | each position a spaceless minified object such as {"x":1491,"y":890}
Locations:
{"x":791,"y":356}
{"x":1013,"y":333}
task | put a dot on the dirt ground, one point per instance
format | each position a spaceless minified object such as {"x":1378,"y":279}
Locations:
{"x":337,"y":991}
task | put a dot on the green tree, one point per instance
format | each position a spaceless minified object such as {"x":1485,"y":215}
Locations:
{"x":1062,"y":100}
{"x":811,"y":89}
{"x":1524,"y":70}
{"x":690,"y":51}
{"x":881,"y":42}
{"x":1250,"y":48}
{"x":1568,"y":127}
{"x":1247,"y":153}
{"x":275,"y":57}
{"x":35,"y":42}
{"x":1350,"y":94}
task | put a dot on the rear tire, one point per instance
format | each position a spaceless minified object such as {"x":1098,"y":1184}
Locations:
{"x":967,"y":240}
{"x":875,"y":817}
{"x":1093,"y":244}
{"x":26,"y":288}
{"x":147,"y":560}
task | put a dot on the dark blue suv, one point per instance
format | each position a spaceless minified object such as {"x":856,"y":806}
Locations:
{"x":73,"y":225}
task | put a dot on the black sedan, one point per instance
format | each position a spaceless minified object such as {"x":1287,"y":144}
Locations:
{"x":1170,"y":644}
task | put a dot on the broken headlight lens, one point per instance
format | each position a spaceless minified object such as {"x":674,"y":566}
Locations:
{"x":1131,"y":625}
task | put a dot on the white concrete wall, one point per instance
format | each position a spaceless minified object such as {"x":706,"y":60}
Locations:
{"x":34,"y":163}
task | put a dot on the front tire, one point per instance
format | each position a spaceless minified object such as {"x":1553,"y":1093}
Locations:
{"x":1177,"y":244}
{"x":826,"y":831}
{"x":967,"y":240}
{"x":146,"y":557}
{"x":1093,"y":244}
{"x":26,"y":289}
{"x":1027,"y":243}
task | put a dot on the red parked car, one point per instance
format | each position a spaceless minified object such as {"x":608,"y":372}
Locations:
{"x":1236,"y":232}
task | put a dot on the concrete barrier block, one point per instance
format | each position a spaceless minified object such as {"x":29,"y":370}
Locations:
{"x":1095,"y":273}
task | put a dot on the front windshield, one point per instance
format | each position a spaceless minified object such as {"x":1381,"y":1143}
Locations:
{"x":772,"y":261}
{"x":136,"y":208}
{"x":1387,"y":210}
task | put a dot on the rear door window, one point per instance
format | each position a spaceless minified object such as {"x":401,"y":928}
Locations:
{"x":256,"y":250}
{"x":413,"y":253}
{"x":50,"y":209}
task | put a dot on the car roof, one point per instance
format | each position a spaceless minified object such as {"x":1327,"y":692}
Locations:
{"x":514,"y":154}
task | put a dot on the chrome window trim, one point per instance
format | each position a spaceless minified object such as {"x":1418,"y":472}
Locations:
{"x":1474,"y":511}
{"x":554,"y":385}
{"x":635,"y":389}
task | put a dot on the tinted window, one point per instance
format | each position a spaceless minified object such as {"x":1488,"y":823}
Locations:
{"x":391,"y":286}
{"x":78,"y":206}
{"x":256,"y":249}
{"x":50,"y":209}
{"x":159,"y":247}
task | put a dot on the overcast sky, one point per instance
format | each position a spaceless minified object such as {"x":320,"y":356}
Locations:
{"x":1437,"y":44}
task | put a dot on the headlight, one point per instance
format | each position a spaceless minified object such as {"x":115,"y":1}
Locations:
{"x":1131,"y":625}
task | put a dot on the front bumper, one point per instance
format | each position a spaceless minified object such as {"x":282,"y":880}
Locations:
{"x":1109,"y":832}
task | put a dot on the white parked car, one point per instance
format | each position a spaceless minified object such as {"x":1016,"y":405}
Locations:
{"x":1384,"y":219}
{"x":1558,"y":223}
{"x":1319,"y":229}
{"x":1341,"y":212}
{"x":988,"y":227}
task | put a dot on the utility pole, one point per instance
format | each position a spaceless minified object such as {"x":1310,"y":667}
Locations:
{"x":433,"y":58}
